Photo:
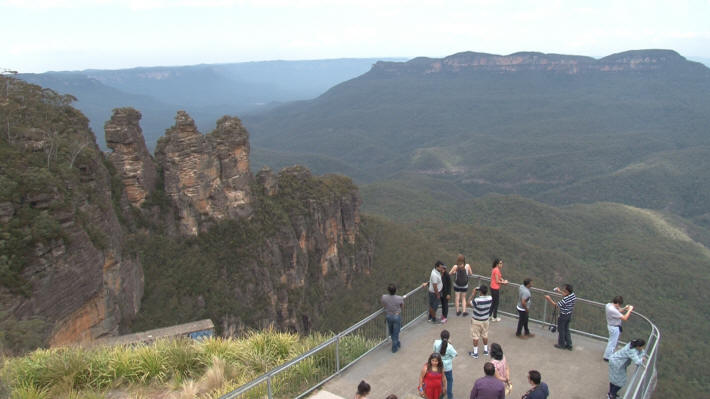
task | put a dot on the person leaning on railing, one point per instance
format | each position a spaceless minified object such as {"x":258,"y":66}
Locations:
{"x":620,"y":360}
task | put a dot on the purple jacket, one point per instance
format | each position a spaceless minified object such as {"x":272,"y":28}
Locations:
{"x":488,"y":387}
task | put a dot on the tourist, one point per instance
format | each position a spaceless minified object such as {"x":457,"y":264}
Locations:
{"x":448,"y":353}
{"x":620,"y":360}
{"x":502,"y":367}
{"x":523,"y":308}
{"x":565,"y":306}
{"x":445,"y":294}
{"x":391,"y":396}
{"x":432,"y":380}
{"x":363,"y":389}
{"x":461,"y":271}
{"x":488,"y":387}
{"x":481,"y":308}
{"x":435,"y":287}
{"x":539,"y":389}
{"x":496,"y":280}
{"x":614,"y":317}
{"x":393,"y":305}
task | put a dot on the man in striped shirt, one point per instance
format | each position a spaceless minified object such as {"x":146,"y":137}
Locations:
{"x":565,"y":306}
{"x":481,"y":305}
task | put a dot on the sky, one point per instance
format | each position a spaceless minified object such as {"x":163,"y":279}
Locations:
{"x":43,"y":35}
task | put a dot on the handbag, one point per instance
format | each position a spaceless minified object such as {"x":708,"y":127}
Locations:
{"x":508,"y":388}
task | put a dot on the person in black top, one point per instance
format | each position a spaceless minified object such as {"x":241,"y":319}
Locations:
{"x":539,"y":389}
{"x":445,"y":294}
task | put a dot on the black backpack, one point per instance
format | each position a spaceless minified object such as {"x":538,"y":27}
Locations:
{"x":461,"y":276}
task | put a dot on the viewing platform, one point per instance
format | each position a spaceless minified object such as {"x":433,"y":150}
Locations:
{"x":363,"y":352}
{"x":577,"y":374}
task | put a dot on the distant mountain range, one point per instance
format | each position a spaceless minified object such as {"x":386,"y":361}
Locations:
{"x":632,"y":127}
{"x":206,"y":91}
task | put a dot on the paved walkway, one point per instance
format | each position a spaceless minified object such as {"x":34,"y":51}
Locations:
{"x":579,"y":374}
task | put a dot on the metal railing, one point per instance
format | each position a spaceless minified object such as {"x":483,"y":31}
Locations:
{"x":589,"y":319}
{"x":300,"y":376}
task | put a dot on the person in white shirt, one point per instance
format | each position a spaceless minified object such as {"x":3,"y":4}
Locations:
{"x":435,"y":287}
{"x":614,"y":317}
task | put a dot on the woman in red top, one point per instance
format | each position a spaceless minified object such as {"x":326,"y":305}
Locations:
{"x":496,"y":280}
{"x":432,"y":381}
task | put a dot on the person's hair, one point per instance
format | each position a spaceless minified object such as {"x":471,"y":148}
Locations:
{"x":535,"y":376}
{"x":483,"y":289}
{"x":618,"y":300}
{"x":496,"y":351}
{"x":527,"y":281}
{"x":363,"y":388}
{"x":568,"y":288}
{"x":496,"y":261}
{"x":392,"y":289}
{"x":444,"y":342}
{"x":391,"y":396}
{"x":461,"y":260}
{"x":436,"y":356}
{"x":637,"y":343}
{"x":438,"y":263}
{"x":489,"y":368}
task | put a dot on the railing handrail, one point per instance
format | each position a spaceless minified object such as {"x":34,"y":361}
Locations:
{"x":329,"y":341}
{"x":637,"y":378}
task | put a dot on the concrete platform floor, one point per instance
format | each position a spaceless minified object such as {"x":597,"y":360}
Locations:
{"x":577,"y":374}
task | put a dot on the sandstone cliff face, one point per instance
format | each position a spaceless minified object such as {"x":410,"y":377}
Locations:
{"x":206,"y":177}
{"x":130,"y":155}
{"x":61,"y":241}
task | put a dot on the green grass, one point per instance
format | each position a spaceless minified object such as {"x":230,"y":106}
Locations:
{"x":176,"y":366}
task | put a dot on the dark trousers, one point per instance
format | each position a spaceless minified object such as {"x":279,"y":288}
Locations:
{"x":494,"y":305}
{"x":444,"y":306}
{"x":522,"y":322}
{"x":613,"y":390}
{"x":564,"y":339}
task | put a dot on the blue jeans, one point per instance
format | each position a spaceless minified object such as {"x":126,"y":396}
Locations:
{"x":394,"y":323}
{"x":449,"y":383}
{"x":613,"y":340}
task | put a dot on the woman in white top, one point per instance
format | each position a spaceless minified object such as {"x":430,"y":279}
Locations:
{"x":448,"y":353}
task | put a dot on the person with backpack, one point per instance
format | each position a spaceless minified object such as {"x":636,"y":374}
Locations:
{"x":461,"y":271}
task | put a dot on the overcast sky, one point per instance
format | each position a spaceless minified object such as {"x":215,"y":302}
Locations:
{"x":42,"y":35}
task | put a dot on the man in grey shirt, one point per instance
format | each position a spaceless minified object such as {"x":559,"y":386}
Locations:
{"x":393,"y":305}
{"x":523,"y":308}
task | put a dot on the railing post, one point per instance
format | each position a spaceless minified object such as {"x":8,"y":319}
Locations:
{"x":337,"y":352}
{"x":268,"y":386}
{"x":544,"y":313}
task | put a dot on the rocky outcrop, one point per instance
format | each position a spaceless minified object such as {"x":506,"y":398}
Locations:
{"x":638,"y":60}
{"x":206,"y":177}
{"x":130,"y":155}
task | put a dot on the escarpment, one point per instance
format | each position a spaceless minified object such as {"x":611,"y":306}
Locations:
{"x":80,"y":228}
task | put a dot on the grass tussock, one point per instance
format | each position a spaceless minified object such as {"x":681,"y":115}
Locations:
{"x":180,"y":368}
